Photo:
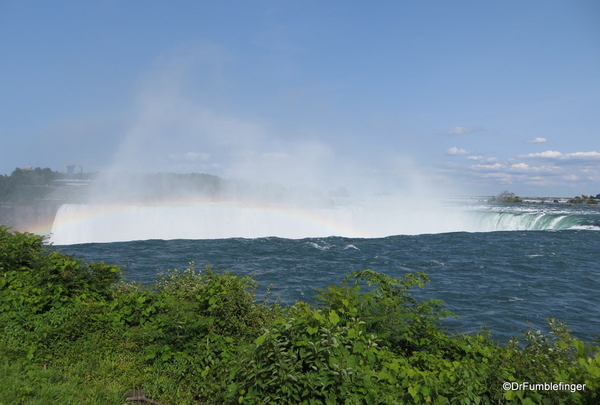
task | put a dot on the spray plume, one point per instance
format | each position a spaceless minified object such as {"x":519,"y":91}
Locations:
{"x":186,"y":169}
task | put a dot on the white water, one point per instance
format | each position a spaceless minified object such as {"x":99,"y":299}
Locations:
{"x":79,"y":223}
{"x":76,"y":223}
{"x":505,"y":221}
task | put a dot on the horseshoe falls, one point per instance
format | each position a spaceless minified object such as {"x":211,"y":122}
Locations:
{"x":87,"y":223}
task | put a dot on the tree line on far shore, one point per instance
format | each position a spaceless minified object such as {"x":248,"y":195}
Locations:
{"x":38,"y":184}
{"x":26,"y":185}
{"x":33,"y":184}
{"x":509,"y":197}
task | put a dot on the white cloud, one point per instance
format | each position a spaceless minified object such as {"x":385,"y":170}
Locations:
{"x":546,"y":173}
{"x":537,"y":140}
{"x":455,"y":151}
{"x":463,"y":130}
{"x":584,"y":155}
{"x":482,"y":159}
{"x":495,"y":166}
{"x":524,"y":167}
{"x":551,"y":154}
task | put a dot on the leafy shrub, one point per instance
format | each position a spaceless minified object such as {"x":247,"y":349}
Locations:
{"x":401,"y":322}
{"x":36,"y":278}
{"x":313,"y":356}
{"x":76,"y":333}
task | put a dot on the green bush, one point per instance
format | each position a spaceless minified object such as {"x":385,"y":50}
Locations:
{"x":404,"y":324}
{"x":313,"y":356}
{"x":35,"y":279}
{"x":75,"y":332}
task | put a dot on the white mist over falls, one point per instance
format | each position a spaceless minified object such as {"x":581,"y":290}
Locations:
{"x":226,"y":209}
{"x":193,"y":206}
{"x":82,"y":223}
{"x":266,"y":179}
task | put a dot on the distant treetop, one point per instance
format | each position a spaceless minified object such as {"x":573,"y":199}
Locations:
{"x":506,"y":197}
{"x":584,"y":199}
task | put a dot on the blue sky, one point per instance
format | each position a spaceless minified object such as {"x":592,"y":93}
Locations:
{"x":474,"y":97}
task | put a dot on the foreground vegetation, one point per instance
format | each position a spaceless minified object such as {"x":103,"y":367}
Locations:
{"x":76,"y":333}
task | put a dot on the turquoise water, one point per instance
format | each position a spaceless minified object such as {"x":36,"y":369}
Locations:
{"x":507,"y":280}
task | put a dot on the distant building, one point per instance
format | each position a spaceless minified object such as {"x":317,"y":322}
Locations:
{"x":71,"y":169}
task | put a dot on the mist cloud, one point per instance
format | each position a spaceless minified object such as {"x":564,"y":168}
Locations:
{"x":184,"y":124}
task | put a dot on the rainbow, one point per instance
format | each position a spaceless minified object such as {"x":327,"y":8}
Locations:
{"x":83,"y":223}
{"x":43,"y":228}
{"x":202,"y":219}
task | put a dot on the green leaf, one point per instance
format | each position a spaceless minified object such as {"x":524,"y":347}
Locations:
{"x":334,"y":318}
{"x":317,"y":315}
{"x":383,"y":375}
